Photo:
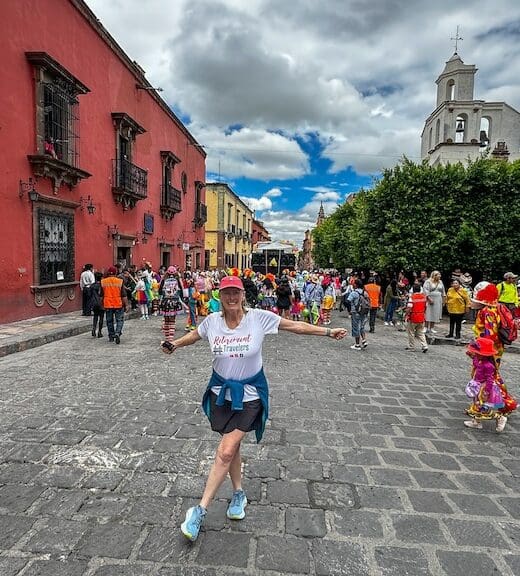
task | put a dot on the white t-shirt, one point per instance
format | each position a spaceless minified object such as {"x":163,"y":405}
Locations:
{"x":237,"y":354}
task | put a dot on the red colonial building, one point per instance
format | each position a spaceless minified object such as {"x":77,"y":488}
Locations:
{"x":260,"y":232}
{"x":95,"y":166}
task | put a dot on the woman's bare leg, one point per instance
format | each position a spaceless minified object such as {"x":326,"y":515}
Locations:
{"x":227,"y":450}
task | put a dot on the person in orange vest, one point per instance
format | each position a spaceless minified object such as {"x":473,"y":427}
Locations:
{"x":115,"y":302}
{"x":374,"y":294}
{"x":415,"y":316}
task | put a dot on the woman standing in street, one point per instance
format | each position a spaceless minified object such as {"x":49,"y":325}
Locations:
{"x":435,"y":296}
{"x":237,"y":395}
{"x":457,"y":303}
{"x":390,"y":302}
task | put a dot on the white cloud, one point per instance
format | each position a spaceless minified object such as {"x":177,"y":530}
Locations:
{"x":254,"y":77}
{"x":252,"y":153}
{"x":258,"y":204}
{"x":274,"y":193}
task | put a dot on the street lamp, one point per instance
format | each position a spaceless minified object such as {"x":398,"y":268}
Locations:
{"x":28,"y":187}
{"x":91,"y":208}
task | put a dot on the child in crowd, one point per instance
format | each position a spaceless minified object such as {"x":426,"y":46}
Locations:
{"x":296,"y":306}
{"x":487,"y":391}
{"x":268,"y":301}
{"x":140,"y":294}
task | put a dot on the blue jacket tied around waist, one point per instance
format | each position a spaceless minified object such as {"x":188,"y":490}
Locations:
{"x":236,"y":388}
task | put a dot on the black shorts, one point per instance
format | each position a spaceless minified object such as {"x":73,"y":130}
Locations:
{"x":223,"y":419}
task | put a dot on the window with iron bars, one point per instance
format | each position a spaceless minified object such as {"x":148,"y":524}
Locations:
{"x":55,"y":247}
{"x":61,"y":121}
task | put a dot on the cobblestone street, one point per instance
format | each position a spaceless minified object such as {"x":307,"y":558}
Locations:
{"x":365,"y":469}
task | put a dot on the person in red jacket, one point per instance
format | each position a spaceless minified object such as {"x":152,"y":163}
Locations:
{"x":415,"y":315}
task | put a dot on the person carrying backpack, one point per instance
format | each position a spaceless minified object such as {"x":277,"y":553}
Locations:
{"x":359,"y":309}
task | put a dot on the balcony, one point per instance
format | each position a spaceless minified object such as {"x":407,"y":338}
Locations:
{"x":170,"y":201}
{"x":201,"y":214}
{"x":129,"y":184}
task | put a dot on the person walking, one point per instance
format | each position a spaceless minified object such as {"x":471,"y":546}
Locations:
{"x":236,"y":400}
{"x":171,"y":304}
{"x":191,"y":320}
{"x":85,"y":283}
{"x":457,"y":303}
{"x":359,"y":309}
{"x":414,"y":318}
{"x":489,"y":395}
{"x":313,"y":297}
{"x":435,"y":296}
{"x":374,"y":293}
{"x":115,"y":302}
{"x":96,"y":305}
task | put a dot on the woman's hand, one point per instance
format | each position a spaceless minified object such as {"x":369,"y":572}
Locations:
{"x":338,"y":333}
{"x":167,"y":347}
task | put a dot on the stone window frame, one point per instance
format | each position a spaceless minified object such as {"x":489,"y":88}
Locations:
{"x":45,"y":162}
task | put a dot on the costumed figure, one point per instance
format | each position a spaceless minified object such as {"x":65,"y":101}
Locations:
{"x":490,"y":399}
{"x":214,"y":302}
{"x":313,"y":296}
{"x":193,"y":295}
{"x":487,"y":325}
{"x":297,"y":305}
{"x":268,"y":301}
{"x":171,"y":301}
{"x":329,"y":299}
{"x":200,"y":286}
{"x":250,"y":288}
{"x":155,"y":297}
{"x":141,"y":296}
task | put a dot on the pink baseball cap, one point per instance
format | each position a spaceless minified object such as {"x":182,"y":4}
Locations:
{"x":231,"y":282}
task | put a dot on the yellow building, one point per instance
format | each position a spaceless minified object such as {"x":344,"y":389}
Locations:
{"x":228,"y":240}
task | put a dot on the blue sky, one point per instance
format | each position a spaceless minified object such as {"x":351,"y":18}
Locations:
{"x":304,"y":102}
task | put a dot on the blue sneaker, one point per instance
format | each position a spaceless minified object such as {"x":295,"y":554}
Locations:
{"x":193,"y":521}
{"x":237,"y":507}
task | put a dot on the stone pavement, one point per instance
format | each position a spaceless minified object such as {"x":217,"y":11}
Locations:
{"x":365,"y":468}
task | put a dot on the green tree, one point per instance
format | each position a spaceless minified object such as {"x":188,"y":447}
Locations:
{"x":420,"y":216}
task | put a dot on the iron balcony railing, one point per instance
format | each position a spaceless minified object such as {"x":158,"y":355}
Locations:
{"x":130,"y":178}
{"x":201,"y":213}
{"x":171,"y":198}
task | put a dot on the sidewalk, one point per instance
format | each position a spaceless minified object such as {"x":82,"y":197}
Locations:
{"x":33,"y":332}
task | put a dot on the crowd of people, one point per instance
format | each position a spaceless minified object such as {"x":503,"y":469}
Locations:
{"x":238,"y":308}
